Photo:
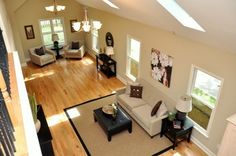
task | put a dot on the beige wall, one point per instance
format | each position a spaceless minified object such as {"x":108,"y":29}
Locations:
{"x":29,"y":12}
{"x":185,"y":53}
{"x":6,"y":28}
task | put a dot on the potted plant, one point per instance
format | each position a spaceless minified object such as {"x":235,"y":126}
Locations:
{"x":34,"y":109}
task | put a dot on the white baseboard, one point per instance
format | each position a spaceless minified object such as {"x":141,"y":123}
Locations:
{"x":121,"y":79}
{"x":203,"y":147}
{"x":23,"y":64}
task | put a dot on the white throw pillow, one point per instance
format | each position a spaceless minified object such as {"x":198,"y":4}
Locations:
{"x":162,"y":110}
{"x":127,"y":91}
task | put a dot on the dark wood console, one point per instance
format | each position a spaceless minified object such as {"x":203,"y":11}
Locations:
{"x":44,"y":134}
{"x":106,"y":65}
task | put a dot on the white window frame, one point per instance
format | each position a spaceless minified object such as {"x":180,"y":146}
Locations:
{"x":64,"y":32}
{"x":192,"y":79}
{"x":129,"y":37}
{"x":95,"y":36}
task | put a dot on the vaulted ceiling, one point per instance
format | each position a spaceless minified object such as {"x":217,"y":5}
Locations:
{"x":217,"y":17}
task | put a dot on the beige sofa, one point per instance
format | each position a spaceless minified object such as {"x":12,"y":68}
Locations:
{"x":48,"y":57}
{"x":74,"y":53}
{"x":140,"y":108}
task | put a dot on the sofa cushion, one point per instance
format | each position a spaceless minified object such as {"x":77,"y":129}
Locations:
{"x":46,"y":57}
{"x":136,"y":91}
{"x":143,"y":114}
{"x":155,"y":108}
{"x":75,"y":45}
{"x":127,"y":91}
{"x":130,"y":102}
{"x":162,"y":110}
{"x":40,"y":51}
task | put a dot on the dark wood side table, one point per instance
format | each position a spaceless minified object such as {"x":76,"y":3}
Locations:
{"x":44,"y":134}
{"x":57,"y":50}
{"x":177,"y":135}
{"x":106,"y":65}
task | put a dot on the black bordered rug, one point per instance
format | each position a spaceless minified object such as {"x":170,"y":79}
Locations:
{"x":94,"y":139}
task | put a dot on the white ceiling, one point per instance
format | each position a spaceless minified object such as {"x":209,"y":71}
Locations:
{"x":217,"y":17}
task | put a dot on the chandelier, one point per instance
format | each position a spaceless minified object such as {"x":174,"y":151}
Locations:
{"x":85,"y":24}
{"x":55,"y":8}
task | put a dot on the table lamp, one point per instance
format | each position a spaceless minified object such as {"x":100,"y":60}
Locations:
{"x":55,"y":40}
{"x":183,"y":106}
{"x":109,"y":51}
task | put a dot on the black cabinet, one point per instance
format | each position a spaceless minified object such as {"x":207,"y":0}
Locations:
{"x":176,"y":135}
{"x":106,"y":65}
{"x":44,"y":134}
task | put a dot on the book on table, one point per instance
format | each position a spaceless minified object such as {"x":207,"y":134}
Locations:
{"x":177,"y":124}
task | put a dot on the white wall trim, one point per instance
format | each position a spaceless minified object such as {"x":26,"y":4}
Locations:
{"x":23,"y":64}
{"x":121,"y":79}
{"x":29,"y":127}
{"x":203,"y":147}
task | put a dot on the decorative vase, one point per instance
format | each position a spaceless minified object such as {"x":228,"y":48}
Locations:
{"x":37,"y":125}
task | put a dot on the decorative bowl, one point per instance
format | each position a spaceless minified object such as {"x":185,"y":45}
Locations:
{"x":108,"y":109}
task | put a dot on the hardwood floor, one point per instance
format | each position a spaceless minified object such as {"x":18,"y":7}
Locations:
{"x":68,"y":82}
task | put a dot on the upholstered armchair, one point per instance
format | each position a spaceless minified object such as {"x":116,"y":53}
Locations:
{"x":74,"y":50}
{"x":47,"y":56}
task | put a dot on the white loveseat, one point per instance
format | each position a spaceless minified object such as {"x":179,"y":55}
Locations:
{"x":74,"y":53}
{"x":140,"y":108}
{"x":48,"y":57}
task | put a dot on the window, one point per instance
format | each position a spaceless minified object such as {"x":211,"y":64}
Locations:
{"x":205,"y":91}
{"x":133,"y":54}
{"x":49,"y":27}
{"x":180,"y":14}
{"x":95,"y":45}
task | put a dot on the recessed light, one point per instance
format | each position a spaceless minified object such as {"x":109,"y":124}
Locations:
{"x":180,"y":14}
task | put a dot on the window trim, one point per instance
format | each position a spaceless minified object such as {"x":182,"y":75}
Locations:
{"x":64,"y":29}
{"x":96,"y":50}
{"x":129,"y":37}
{"x":192,"y":78}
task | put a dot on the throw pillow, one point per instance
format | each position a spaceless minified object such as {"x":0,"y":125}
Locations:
{"x":75,"y":45}
{"x":162,"y":110}
{"x":127,"y":90}
{"x":136,"y":91}
{"x":155,"y":108}
{"x":39,"y":51}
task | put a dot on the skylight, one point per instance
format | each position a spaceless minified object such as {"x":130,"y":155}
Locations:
{"x":111,"y":4}
{"x":180,"y":14}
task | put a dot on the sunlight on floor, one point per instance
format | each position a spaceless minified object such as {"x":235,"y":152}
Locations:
{"x":56,"y":119}
{"x":87,"y":61}
{"x":38,"y":75}
{"x":177,"y":154}
{"x":73,"y":113}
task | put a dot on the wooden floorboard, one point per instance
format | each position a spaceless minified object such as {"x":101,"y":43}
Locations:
{"x":69,"y":82}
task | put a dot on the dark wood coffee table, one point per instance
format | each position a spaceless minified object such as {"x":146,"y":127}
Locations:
{"x":112,"y":125}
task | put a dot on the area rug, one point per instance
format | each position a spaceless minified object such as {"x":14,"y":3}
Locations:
{"x":94,"y":139}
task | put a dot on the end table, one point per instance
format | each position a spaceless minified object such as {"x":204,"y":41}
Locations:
{"x":57,"y":50}
{"x":177,"y":135}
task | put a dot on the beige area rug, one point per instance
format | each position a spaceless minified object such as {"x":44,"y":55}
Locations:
{"x":94,"y":139}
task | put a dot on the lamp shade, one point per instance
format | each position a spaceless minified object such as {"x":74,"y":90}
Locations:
{"x":55,"y":37}
{"x":184,"y":104}
{"x":76,"y":26}
{"x":97,"y":25}
{"x":109,"y":50}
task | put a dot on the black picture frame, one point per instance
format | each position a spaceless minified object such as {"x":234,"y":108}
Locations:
{"x":109,"y":39}
{"x":29,"y":32}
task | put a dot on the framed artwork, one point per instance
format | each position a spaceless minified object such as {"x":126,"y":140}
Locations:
{"x":161,"y":65}
{"x":71,"y":25}
{"x":29,"y":32}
